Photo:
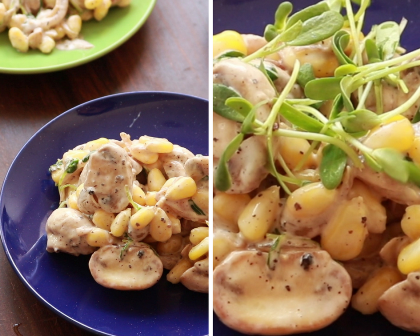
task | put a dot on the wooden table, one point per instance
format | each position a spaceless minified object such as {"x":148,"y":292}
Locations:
{"x":169,"y":53}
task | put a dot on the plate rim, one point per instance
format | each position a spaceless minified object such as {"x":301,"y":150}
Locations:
{"x":13,"y":163}
{"x":87,"y":59}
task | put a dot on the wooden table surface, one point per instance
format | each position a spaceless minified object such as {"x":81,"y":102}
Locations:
{"x":169,"y":53}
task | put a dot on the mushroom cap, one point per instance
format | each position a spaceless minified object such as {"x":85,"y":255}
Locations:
{"x":139,"y":268}
{"x":295,"y":297}
{"x":196,"y":278}
{"x":400,"y":303}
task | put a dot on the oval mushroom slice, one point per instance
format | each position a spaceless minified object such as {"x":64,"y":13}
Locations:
{"x":304,"y":292}
{"x":400,"y":303}
{"x":135,"y":269}
{"x":196,"y":278}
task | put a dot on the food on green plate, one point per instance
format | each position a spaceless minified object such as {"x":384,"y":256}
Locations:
{"x":138,"y":206}
{"x":316,"y":151}
{"x":49,"y":24}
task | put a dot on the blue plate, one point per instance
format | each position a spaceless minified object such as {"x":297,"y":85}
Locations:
{"x":63,"y":282}
{"x":251,"y":17}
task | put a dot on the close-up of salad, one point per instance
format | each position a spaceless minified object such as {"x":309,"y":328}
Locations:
{"x":316,"y":153}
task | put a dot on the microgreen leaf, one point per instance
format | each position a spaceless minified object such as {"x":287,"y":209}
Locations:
{"x":300,"y":119}
{"x":220,"y":94}
{"x":340,"y":42}
{"x":387,"y":39}
{"x":306,"y":74}
{"x":344,"y":70}
{"x":308,"y":13}
{"x":332,"y":166}
{"x":414,"y":173}
{"x":229,"y":54}
{"x":135,"y":205}
{"x":240,"y":105}
{"x":416,"y":117}
{"x":323,"y":88}
{"x":372,"y":163}
{"x":274,"y":253}
{"x":280,"y":19}
{"x":318,"y":28}
{"x":222,"y":178}
{"x":372,"y":51}
{"x":346,"y":90}
{"x":360,"y":120}
{"x":393,"y":163}
{"x":248,"y":124}
{"x":72,"y":166}
{"x":337,"y":106}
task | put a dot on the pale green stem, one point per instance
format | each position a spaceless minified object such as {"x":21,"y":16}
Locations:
{"x":314,"y":112}
{"x":403,"y":107}
{"x":364,"y":96}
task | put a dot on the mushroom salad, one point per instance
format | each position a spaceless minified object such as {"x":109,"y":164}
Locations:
{"x":138,"y":207}
{"x":49,"y":24}
{"x":316,"y":152}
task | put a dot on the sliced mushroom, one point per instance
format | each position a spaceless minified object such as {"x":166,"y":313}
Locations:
{"x":197,"y":167}
{"x":54,"y":17}
{"x":62,"y":233}
{"x":400,"y":303}
{"x":135,"y":269}
{"x":105,"y":176}
{"x":390,"y":251}
{"x":196,"y":278}
{"x":306,"y":291}
{"x":173,"y":162}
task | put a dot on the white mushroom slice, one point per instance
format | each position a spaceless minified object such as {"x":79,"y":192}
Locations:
{"x":253,"y":42}
{"x":197,"y":167}
{"x":305,"y":292}
{"x":63,"y":235}
{"x":173,"y":162}
{"x":105,"y":176}
{"x":390,"y":251}
{"x":389,"y":188}
{"x":196,"y":278}
{"x":54,"y":17}
{"x":137,"y":268}
{"x":400,"y":303}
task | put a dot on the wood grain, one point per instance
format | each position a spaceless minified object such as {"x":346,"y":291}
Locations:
{"x":169,"y":53}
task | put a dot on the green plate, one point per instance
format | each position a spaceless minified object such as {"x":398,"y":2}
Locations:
{"x":116,"y":28}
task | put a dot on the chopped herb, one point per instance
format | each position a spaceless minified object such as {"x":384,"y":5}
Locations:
{"x":195,"y":207}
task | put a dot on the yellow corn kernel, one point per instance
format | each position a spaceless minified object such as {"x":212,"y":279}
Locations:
{"x":230,"y":206}
{"x":98,"y":237}
{"x":56,"y":174}
{"x":92,"y":4}
{"x":201,"y":198}
{"x":344,"y":235}
{"x":199,"y":250}
{"x":142,"y":218}
{"x":74,"y":154}
{"x":228,"y":40}
{"x":79,"y":189}
{"x":310,"y":200}
{"x":157,"y":145}
{"x":367,"y":296}
{"x":102,"y":10}
{"x":141,"y":154}
{"x":103,"y":219}
{"x":73,"y":26}
{"x":396,"y":133}
{"x":57,"y":33}
{"x":169,"y":182}
{"x":155,"y":180}
{"x":151,"y":198}
{"x":120,"y":224}
{"x":414,"y":151}
{"x":198,"y":234}
{"x":47,"y":45}
{"x":183,"y":187}
{"x":408,"y":259}
{"x":260,"y":214}
{"x":160,"y":226}
{"x":2,"y":12}
{"x":174,"y":276}
{"x":172,"y":245}
{"x":95,"y":144}
{"x":18,"y":39}
{"x":376,"y":216}
{"x":176,"y":224}
{"x":72,"y":201}
{"x":292,"y":151}
{"x":410,"y":223}
{"x":222,"y":246}
{"x":138,"y":195}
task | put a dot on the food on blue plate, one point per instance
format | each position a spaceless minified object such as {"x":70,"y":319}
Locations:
{"x":138,"y":207}
{"x":49,"y":24}
{"x":316,"y":151}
